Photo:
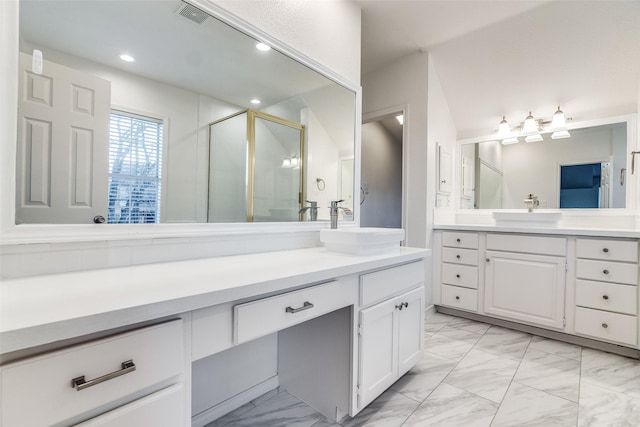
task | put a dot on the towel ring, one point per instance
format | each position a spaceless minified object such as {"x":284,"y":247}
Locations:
{"x":320,"y":184}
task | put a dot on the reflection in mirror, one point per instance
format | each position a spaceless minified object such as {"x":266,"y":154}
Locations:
{"x":586,"y":170}
{"x":71,"y":131}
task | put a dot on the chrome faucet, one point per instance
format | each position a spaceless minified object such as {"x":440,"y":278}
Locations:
{"x":313,"y":210}
{"x":531,"y":202}
{"x":333,"y":212}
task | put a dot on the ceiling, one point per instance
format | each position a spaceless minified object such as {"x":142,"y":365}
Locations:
{"x":496,"y":58}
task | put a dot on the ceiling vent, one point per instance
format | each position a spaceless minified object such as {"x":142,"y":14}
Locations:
{"x":192,"y":13}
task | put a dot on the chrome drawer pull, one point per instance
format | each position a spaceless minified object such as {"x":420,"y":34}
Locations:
{"x":458,"y":240}
{"x":457,"y":298}
{"x":79,"y":383}
{"x":306,"y":306}
{"x":605,"y":271}
{"x":457,"y":276}
{"x":458,"y":256}
{"x":605,"y":297}
{"x":605,"y":250}
{"x":604,"y":325}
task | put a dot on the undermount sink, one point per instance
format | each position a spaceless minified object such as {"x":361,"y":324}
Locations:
{"x":362,"y":241}
{"x":527,"y":219}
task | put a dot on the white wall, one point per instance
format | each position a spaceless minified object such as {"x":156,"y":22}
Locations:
{"x":382,"y":174}
{"x":404,"y":84}
{"x":441,"y":131}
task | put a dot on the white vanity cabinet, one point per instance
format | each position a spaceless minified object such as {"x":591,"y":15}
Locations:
{"x":390,"y":333}
{"x":459,"y":273}
{"x":607,"y":290}
{"x":134,"y":378}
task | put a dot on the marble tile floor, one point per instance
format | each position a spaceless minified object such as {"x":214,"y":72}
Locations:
{"x":475,"y":374}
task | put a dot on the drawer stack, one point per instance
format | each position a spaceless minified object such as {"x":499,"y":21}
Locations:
{"x":607,"y":290}
{"x":460,"y":270}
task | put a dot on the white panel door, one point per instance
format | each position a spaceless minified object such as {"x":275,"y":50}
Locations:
{"x":63,"y":145}
{"x":378,"y":350}
{"x":525,"y":287}
{"x":410,"y":330}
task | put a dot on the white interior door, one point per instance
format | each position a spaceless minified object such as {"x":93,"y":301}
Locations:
{"x":63,"y":145}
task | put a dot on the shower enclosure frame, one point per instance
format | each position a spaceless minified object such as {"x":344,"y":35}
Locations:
{"x":251,"y":155}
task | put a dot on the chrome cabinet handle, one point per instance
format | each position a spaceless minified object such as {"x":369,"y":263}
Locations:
{"x":457,"y":298}
{"x":605,"y":250}
{"x":457,"y":276}
{"x":605,"y":271}
{"x":458,"y":240}
{"x":79,"y":383}
{"x":605,"y":297}
{"x":604,"y":325}
{"x":306,"y":306}
{"x":99,"y":219}
{"x":458,"y":256}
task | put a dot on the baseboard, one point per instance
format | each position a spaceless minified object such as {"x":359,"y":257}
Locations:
{"x":560,"y":336}
{"x":223,"y":408}
{"x":430,"y":310}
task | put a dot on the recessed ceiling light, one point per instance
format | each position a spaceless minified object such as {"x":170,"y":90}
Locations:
{"x":263,"y":47}
{"x":127,"y":58}
{"x":255,"y":101}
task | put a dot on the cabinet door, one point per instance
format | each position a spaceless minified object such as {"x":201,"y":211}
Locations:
{"x":525,"y":287}
{"x":378,"y":364}
{"x":410,"y":327}
{"x":163,"y":408}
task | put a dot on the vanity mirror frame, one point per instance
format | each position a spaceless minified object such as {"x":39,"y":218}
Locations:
{"x":632,"y":202}
{"x":10,"y":233}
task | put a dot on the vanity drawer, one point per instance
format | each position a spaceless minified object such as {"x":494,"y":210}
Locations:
{"x":460,"y":256}
{"x":607,"y":296}
{"x":460,"y":240}
{"x":619,"y":328}
{"x":380,"y":285}
{"x":460,"y":275}
{"x":543,"y":245}
{"x":607,"y":271}
{"x":454,"y":296}
{"x":156,"y":351}
{"x":265,"y":316}
{"x":613,"y":250}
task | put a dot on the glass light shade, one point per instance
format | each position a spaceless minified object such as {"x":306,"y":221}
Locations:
{"x":560,"y":135}
{"x":509,"y":141}
{"x":558,"y":122}
{"x":286,"y":163}
{"x":400,"y":119}
{"x":294,"y":161}
{"x":530,"y":126}
{"x":504,"y":128}
{"x":534,"y":138}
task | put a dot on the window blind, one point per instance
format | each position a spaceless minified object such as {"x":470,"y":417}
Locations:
{"x":135,"y":167}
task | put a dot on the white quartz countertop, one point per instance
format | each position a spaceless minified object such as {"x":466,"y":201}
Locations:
{"x":595,"y":232}
{"x":44,"y":309}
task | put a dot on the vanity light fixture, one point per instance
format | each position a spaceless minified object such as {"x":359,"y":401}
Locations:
{"x":127,"y":58}
{"x":263,"y":47}
{"x":510,"y":140}
{"x":559,"y":126}
{"x":530,"y":126}
{"x":400,"y":119}
{"x":534,"y":138}
{"x":255,"y":101}
{"x":504,"y":129}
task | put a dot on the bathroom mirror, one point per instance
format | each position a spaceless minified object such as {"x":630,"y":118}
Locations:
{"x":126,"y":139}
{"x":587,"y":170}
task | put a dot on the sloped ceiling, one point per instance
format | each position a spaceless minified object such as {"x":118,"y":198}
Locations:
{"x":496,"y":58}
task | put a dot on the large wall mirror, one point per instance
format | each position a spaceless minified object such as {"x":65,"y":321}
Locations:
{"x":157,"y":112}
{"x":586,"y":170}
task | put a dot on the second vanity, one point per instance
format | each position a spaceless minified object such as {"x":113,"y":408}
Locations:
{"x":575,"y":285}
{"x":183,"y":343}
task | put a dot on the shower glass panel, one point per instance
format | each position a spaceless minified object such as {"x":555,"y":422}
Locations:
{"x":256,"y":168}
{"x":228,"y":154}
{"x":278,"y":170}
